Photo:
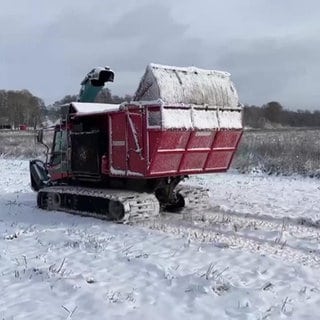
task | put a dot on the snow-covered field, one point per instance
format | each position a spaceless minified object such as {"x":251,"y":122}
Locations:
{"x":254,"y":255}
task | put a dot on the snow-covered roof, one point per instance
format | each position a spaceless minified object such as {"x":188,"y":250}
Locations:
{"x":188,"y":85}
{"x":86,"y":108}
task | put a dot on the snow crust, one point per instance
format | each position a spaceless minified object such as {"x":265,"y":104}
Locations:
{"x":195,"y":118}
{"x":177,"y":118}
{"x":230,"y":119}
{"x":241,"y":260}
{"x":189,"y":85}
{"x":88,"y":107}
{"x":117,"y":171}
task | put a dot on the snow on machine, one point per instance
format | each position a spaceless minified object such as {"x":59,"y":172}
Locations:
{"x":125,"y":162}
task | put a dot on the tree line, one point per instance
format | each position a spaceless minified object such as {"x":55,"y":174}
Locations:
{"x":22,"y":107}
{"x":19,"y":107}
{"x":274,"y":114}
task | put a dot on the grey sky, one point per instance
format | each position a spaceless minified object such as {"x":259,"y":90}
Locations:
{"x":271,"y":47}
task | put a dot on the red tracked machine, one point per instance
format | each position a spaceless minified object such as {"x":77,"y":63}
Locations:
{"x":125,"y":162}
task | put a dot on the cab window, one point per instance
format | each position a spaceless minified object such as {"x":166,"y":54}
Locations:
{"x":59,"y":149}
{"x":60,"y":142}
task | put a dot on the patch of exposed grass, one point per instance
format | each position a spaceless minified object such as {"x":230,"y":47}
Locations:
{"x":284,"y":152}
{"x":20,"y":144}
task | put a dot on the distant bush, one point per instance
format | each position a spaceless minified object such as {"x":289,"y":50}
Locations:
{"x":273,"y":114}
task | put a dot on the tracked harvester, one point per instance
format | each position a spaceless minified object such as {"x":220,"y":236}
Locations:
{"x":125,"y":162}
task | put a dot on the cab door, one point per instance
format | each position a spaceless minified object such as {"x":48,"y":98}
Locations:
{"x":59,"y":160}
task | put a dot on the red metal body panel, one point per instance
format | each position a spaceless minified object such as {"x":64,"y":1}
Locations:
{"x":55,"y":175}
{"x":118,"y":143}
{"x":136,"y":145}
{"x":127,"y":150}
{"x":188,"y":152}
{"x":138,"y":150}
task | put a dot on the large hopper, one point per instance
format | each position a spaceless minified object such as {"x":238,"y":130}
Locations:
{"x":188,"y":85}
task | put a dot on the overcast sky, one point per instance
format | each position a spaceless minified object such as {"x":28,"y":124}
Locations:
{"x":271,"y":47}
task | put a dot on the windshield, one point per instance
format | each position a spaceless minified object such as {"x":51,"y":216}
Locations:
{"x":60,"y":143}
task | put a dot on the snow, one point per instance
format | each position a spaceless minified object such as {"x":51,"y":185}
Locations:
{"x":176,"y":118}
{"x":188,"y":85}
{"x":276,"y":197}
{"x":86,"y":108}
{"x":191,"y":98}
{"x":117,"y":172}
{"x":249,"y":257}
{"x":230,"y":119}
{"x":200,"y":118}
{"x":205,"y":119}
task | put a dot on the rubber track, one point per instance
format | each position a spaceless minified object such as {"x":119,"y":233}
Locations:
{"x":137,"y":206}
{"x":195,"y":197}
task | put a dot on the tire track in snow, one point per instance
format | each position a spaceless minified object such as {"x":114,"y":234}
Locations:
{"x":245,"y":232}
{"x":237,"y":222}
{"x":300,"y":221}
{"x":242,"y":231}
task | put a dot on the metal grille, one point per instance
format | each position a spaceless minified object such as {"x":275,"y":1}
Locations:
{"x":85,"y":152}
